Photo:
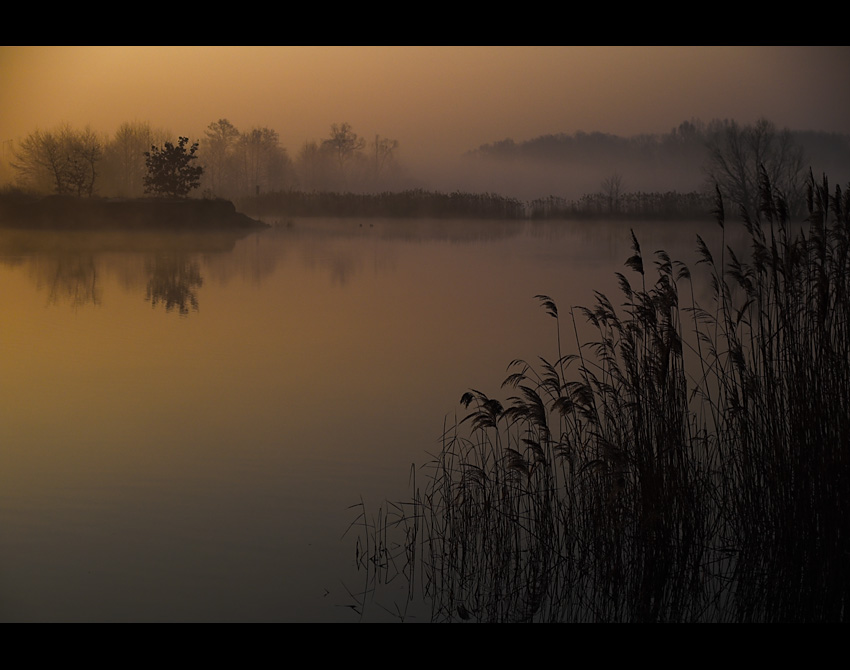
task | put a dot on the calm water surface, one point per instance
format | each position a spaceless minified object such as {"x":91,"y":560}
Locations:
{"x":185,"y":422}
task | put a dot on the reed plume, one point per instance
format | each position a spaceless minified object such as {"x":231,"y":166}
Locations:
{"x":690,"y":464}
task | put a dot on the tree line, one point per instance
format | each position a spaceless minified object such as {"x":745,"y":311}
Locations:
{"x":411,"y":203}
{"x":668,"y":205}
{"x":231,"y":163}
{"x":234,"y":164}
{"x":725,"y":153}
{"x":419,"y":203}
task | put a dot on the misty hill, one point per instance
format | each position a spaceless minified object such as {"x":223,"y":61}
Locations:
{"x":572,"y":165}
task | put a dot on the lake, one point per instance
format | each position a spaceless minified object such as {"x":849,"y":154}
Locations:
{"x":189,"y":421}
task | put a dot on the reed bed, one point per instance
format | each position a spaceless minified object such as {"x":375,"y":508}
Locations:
{"x":692,"y":464}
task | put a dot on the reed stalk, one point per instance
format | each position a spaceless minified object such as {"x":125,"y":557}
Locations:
{"x":692,"y":464}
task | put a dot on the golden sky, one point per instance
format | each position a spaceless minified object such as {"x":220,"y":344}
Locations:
{"x":433,"y":100}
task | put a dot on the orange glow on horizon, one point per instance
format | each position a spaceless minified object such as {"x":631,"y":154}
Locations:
{"x":437,"y":100}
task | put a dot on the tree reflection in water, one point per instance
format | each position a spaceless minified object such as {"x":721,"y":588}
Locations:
{"x":73,"y":278}
{"x":174,"y":280}
{"x":73,"y":266}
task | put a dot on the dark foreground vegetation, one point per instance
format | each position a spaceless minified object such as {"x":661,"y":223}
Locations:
{"x":690,"y":465}
{"x":66,"y":212}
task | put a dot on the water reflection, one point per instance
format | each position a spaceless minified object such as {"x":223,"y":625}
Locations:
{"x":174,"y":282}
{"x":318,"y":366}
{"x":70,"y":267}
{"x":71,"y":278}
{"x":169,"y":268}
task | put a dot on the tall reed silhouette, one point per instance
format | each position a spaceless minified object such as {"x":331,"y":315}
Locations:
{"x":692,"y":463}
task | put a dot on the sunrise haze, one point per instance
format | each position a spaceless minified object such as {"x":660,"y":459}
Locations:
{"x":437,"y":101}
{"x":355,"y":334}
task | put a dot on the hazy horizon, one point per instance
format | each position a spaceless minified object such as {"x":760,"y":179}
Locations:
{"x":303,"y":395}
{"x":438,"y":102}
{"x":442,"y":98}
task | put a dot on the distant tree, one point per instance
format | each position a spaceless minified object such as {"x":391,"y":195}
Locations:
{"x":612,"y":187}
{"x":344,"y":143}
{"x":38,"y":162}
{"x":218,"y":155}
{"x":170,"y":169}
{"x":264,"y":163}
{"x":64,"y":161}
{"x":124,"y":156}
{"x":280,"y":170}
{"x":313,"y":166}
{"x":688,"y":131}
{"x":736,"y":153}
{"x":83,"y":152}
{"x":385,"y":149}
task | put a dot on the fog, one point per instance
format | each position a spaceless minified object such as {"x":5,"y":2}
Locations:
{"x":204,"y":414}
{"x":439,"y":103}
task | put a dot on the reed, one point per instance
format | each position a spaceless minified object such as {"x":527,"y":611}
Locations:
{"x":692,"y":464}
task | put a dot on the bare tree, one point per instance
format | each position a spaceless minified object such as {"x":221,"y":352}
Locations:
{"x":264,"y":163}
{"x":122,"y":170}
{"x":124,"y":157}
{"x":736,"y":153}
{"x":218,"y":151}
{"x":64,"y":161}
{"x":84,"y":152}
{"x":38,"y":162}
{"x":385,"y":149}
{"x":313,"y":166}
{"x":612,"y":188}
{"x":344,"y":143}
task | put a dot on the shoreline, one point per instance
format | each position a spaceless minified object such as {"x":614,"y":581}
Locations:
{"x":63,"y":212}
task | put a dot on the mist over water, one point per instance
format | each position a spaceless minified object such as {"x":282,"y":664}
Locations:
{"x":430,"y":107}
{"x":191,"y":421}
{"x":196,"y":459}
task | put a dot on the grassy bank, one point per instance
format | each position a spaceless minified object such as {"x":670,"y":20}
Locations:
{"x":64,"y":212}
{"x":690,"y":464}
{"x":458,"y":205}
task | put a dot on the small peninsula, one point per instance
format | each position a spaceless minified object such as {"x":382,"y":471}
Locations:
{"x":63,"y":212}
